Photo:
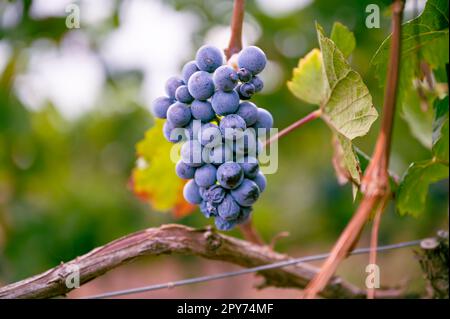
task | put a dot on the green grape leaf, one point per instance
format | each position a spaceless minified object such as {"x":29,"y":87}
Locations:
{"x":324,"y":78}
{"x":413,"y":189}
{"x":348,"y":108}
{"x":154,"y":178}
{"x":308,"y":80}
{"x":343,"y":38}
{"x":424,"y":39}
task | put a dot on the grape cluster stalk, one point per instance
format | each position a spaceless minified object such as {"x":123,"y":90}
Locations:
{"x":208,"y":110}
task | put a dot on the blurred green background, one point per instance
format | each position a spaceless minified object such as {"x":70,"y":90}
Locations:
{"x":73,"y":103}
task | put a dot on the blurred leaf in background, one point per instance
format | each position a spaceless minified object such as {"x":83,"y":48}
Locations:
{"x":154,"y":178}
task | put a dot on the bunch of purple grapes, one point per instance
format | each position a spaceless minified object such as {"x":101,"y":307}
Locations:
{"x":207,"y":109}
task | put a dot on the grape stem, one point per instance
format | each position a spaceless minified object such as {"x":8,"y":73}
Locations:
{"x":237,"y":21}
{"x":374,"y":240}
{"x":308,"y":118}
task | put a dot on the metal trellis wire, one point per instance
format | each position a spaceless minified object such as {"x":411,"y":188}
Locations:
{"x":202,"y":279}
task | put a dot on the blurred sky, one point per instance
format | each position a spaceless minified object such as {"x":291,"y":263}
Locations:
{"x":71,"y":76}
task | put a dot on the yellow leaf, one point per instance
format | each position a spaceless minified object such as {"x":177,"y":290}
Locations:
{"x":308,"y":82}
{"x":154,"y":179}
